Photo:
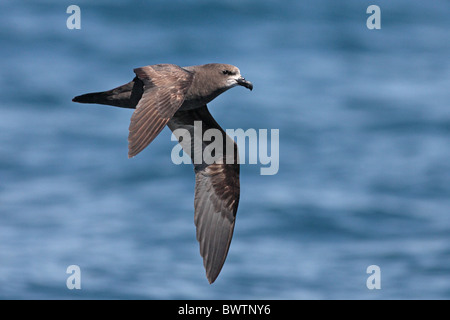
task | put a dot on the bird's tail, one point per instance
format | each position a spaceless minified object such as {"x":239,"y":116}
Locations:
{"x":95,"y":97}
{"x":126,"y":96}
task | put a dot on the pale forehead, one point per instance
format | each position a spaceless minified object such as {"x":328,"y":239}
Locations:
{"x":223,"y":66}
{"x":231,"y":68}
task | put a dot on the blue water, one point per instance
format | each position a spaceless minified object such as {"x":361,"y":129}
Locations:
{"x":364,"y":178}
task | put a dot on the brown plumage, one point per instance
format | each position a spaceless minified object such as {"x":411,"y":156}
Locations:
{"x":167,"y":94}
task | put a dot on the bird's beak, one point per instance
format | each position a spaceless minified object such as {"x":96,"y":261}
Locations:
{"x":242,"y":82}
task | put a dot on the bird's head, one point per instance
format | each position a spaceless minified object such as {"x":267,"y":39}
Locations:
{"x":228,"y":76}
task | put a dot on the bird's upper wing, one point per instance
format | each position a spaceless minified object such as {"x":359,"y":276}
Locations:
{"x":165,"y":86}
{"x":216,"y":189}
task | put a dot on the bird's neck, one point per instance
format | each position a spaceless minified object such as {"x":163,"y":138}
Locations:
{"x":200,"y":92}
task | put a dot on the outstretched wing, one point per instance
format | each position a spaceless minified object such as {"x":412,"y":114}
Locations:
{"x":216,"y":188}
{"x":165,"y":86}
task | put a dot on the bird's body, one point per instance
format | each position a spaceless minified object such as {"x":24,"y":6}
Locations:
{"x":167,"y":94}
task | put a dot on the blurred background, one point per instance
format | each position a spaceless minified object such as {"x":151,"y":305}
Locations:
{"x":364,"y":178}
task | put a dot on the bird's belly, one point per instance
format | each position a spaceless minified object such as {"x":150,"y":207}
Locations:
{"x":192,"y":104}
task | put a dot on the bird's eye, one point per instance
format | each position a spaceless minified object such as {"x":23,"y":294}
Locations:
{"x":227,"y":72}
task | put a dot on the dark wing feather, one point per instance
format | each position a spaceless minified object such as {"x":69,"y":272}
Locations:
{"x":165,"y":86}
{"x":216,"y":191}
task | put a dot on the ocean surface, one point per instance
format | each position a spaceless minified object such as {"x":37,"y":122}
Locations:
{"x":364,"y":151}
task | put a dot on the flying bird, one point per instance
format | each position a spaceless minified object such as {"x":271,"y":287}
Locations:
{"x":166,"y":94}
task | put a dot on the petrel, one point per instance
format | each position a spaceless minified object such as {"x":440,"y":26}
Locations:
{"x":166,"y":94}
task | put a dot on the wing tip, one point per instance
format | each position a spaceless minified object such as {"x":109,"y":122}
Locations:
{"x":213,"y":271}
{"x":132,"y":154}
{"x":212,"y":276}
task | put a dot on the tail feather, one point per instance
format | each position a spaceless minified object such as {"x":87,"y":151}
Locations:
{"x":95,"y":97}
{"x":125,"y":96}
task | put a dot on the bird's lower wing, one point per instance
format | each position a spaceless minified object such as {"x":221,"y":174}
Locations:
{"x":165,"y":87}
{"x":216,"y":188}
